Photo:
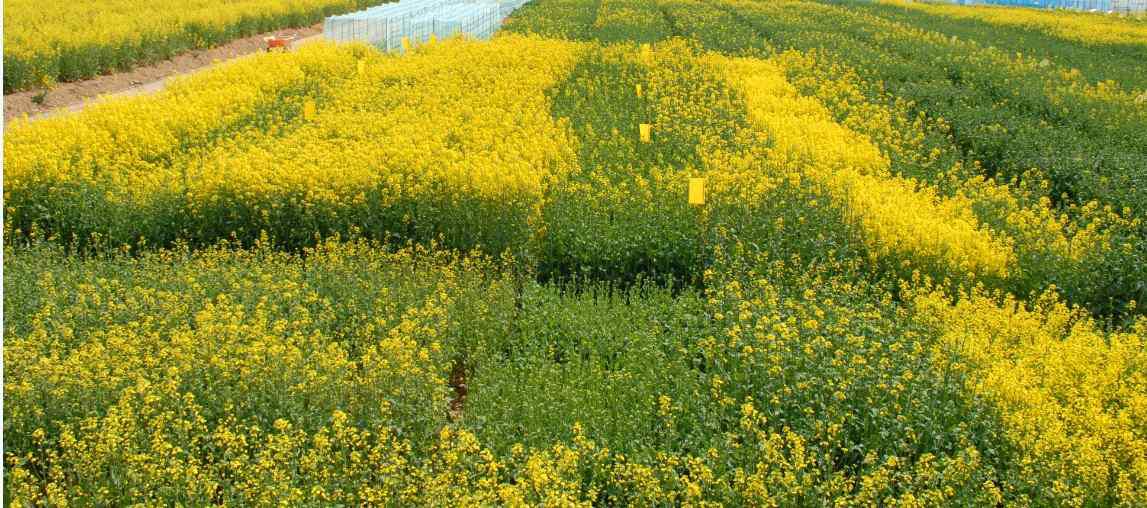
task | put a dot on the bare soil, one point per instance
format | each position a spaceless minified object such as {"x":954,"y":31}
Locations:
{"x":141,"y":80}
{"x":458,"y":384}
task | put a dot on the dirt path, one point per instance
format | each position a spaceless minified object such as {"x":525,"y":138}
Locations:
{"x":141,"y":80}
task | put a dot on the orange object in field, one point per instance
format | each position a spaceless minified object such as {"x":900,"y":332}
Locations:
{"x":279,"y":41}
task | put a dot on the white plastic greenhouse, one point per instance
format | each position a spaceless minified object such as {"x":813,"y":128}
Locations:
{"x":415,"y":20}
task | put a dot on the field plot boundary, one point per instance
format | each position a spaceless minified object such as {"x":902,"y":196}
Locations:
{"x":76,"y":95}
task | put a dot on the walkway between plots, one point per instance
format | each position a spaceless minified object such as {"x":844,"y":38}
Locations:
{"x":75,"y":96}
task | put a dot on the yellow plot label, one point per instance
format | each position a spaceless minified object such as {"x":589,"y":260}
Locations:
{"x":405,"y":44}
{"x":309,"y":110}
{"x":696,"y":191}
{"x":433,"y":39}
{"x":639,"y":89}
{"x":646,"y":132}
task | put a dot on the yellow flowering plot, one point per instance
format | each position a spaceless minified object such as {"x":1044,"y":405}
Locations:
{"x":899,"y":133}
{"x":463,"y":127}
{"x":899,"y":217}
{"x":59,"y":40}
{"x":1048,"y":242}
{"x":690,"y":102}
{"x":117,"y":138}
{"x":455,"y":122}
{"x":1076,"y":26}
{"x":471,"y":115}
{"x":1036,"y":227}
{"x":1072,"y":397}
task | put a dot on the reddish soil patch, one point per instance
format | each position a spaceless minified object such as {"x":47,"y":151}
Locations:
{"x":145,"y":79}
{"x":458,"y":384}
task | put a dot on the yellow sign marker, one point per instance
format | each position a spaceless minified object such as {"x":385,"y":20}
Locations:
{"x":405,"y":44}
{"x":639,"y":89}
{"x":309,"y":110}
{"x":696,"y":191}
{"x":646,"y":131}
{"x":433,"y":39}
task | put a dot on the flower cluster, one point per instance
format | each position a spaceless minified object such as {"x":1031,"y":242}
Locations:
{"x":1072,"y":397}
